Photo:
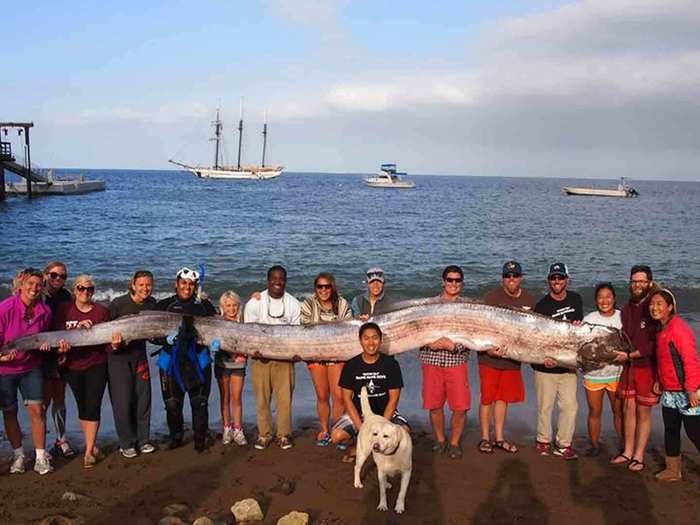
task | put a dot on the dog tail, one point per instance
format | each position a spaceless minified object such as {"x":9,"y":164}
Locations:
{"x":364,"y":403}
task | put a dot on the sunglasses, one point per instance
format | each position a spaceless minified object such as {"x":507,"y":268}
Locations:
{"x":55,"y":275}
{"x":453,"y":280}
{"x":375,"y":275}
{"x":324,"y":286}
{"x":88,"y":289}
{"x":557,"y":278}
{"x":512,"y":275}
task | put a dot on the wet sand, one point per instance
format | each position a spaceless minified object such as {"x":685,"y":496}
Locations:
{"x":498,"y":488}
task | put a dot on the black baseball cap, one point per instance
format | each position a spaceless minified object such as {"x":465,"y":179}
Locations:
{"x":558,"y":269}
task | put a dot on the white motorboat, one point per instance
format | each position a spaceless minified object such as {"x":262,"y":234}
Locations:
{"x":623,"y":190}
{"x":221,"y":171}
{"x":388,"y":177}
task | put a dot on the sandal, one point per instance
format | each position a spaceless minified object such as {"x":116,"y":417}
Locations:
{"x":636,"y":465}
{"x":323,"y":440}
{"x":348,"y":458}
{"x":485,"y":446}
{"x":505,"y":446}
{"x":341,"y":446}
{"x":620,"y":459}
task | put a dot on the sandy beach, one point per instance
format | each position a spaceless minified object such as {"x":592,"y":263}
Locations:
{"x":497,"y":489}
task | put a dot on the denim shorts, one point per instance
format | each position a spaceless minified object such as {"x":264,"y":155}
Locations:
{"x":221,"y":372}
{"x":30,"y":385}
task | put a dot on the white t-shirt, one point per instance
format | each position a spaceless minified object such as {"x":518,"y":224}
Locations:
{"x":609,"y":373}
{"x":268,"y":310}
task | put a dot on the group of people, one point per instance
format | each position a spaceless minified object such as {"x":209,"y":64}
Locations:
{"x":663,"y":366}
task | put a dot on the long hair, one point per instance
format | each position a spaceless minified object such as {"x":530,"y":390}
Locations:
{"x":334,"y":288}
{"x":230,"y":294}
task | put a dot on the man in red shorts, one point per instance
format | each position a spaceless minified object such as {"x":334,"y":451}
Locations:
{"x":639,"y":372}
{"x":500,"y":378}
{"x":446,"y":376}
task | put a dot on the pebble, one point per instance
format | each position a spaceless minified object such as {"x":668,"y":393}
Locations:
{"x":247,"y":510}
{"x":294,"y":518}
{"x":57,"y":519}
{"x":72,"y":496}
{"x":203,"y":521}
{"x":176,"y":509}
{"x":171,"y":520}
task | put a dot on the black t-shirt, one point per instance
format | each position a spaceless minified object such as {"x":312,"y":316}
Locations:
{"x":570,"y":309}
{"x":54,"y":301}
{"x":125,"y":305}
{"x":379,"y":378}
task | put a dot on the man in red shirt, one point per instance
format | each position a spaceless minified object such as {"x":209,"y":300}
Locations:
{"x":639,"y":372}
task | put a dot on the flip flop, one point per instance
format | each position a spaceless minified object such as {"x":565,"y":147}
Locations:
{"x":348,"y":458}
{"x":620,"y":459}
{"x":485,"y":446}
{"x":505,"y":446}
{"x":636,"y":466}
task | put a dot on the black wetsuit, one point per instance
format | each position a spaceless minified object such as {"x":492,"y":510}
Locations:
{"x":196,"y":381}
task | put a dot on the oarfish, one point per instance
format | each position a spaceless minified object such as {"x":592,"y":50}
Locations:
{"x":523,"y":336}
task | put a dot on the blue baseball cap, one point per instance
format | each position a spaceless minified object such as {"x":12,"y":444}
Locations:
{"x":512,"y":267}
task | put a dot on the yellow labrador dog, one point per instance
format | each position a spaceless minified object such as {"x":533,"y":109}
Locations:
{"x":392,"y":450}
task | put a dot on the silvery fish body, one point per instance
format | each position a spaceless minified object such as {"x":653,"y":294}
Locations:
{"x":523,"y":336}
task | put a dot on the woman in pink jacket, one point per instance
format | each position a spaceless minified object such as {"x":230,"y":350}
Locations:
{"x":679,"y":375}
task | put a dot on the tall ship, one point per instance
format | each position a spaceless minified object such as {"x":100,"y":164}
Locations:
{"x":239,"y":172}
{"x":388,"y":177}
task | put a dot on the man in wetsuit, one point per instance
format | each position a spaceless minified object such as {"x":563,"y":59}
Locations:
{"x":185,"y":367}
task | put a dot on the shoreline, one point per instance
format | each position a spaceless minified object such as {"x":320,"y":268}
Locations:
{"x":497,"y":488}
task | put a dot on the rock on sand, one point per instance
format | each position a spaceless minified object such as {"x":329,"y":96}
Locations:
{"x":247,"y":510}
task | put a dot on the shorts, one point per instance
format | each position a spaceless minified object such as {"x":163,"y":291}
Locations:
{"x":315,"y":364}
{"x":220,"y":372}
{"x":593,"y":386}
{"x":30,"y":385}
{"x":51,"y":370}
{"x":446,"y":383}
{"x":500,"y":385}
{"x":637,"y":383}
{"x":88,"y":387}
{"x":345,"y":424}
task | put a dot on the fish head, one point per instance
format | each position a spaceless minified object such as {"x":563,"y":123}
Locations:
{"x":601,"y":347}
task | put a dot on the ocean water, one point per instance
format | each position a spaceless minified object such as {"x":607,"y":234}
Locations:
{"x":162,"y":220}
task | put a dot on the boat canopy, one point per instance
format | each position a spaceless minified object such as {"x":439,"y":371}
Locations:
{"x":391,"y":168}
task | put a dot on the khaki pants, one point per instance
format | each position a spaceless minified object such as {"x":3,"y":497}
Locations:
{"x":273,"y":378}
{"x":561,"y":387}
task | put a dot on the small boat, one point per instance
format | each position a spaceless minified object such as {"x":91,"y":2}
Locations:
{"x":221,"y":171}
{"x":388,"y":177}
{"x":623,"y":190}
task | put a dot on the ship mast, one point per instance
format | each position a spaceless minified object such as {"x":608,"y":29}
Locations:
{"x":217,"y":139}
{"x":240,"y":134}
{"x":264,"y":134}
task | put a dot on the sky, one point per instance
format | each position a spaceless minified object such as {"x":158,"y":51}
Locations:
{"x":591,"y":88}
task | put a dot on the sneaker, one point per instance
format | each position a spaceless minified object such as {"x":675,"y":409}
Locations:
{"x":262,"y":442}
{"x":543,"y":449}
{"x":239,"y":437}
{"x":17,"y":465}
{"x":285,"y":442}
{"x":227,"y":438}
{"x":200,"y":444}
{"x":42,"y":466}
{"x":174,"y":443}
{"x":63,"y":448}
{"x":565,"y":452}
{"x":147,"y":448}
{"x":128,"y":453}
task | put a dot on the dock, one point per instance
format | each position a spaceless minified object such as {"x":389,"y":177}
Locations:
{"x":34,"y":181}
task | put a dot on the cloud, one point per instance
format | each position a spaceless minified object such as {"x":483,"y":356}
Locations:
{"x":320,"y":15}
